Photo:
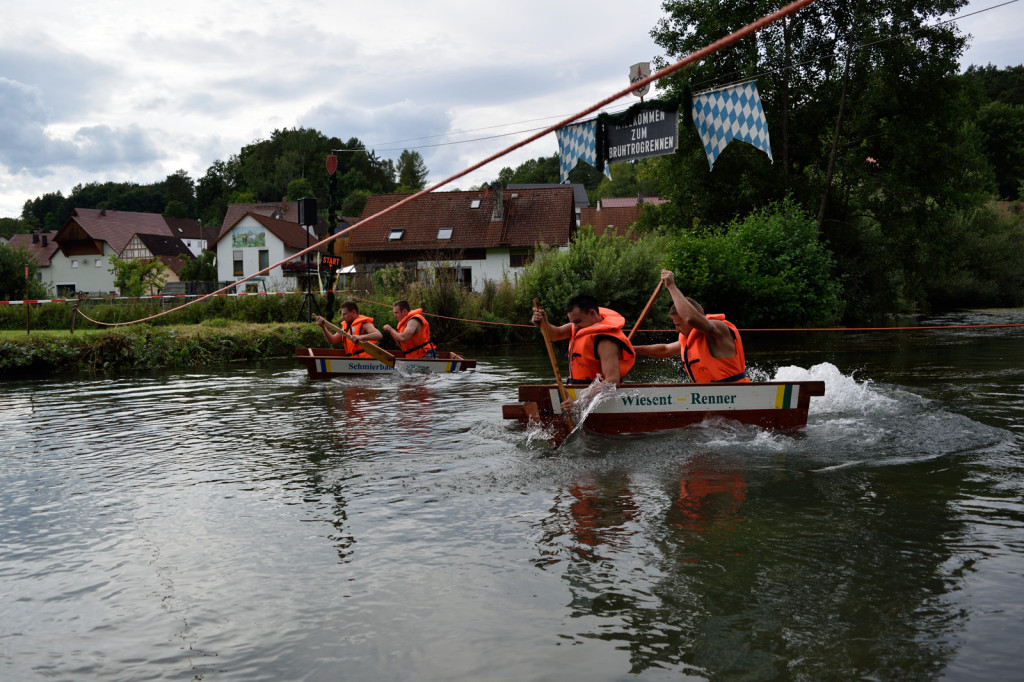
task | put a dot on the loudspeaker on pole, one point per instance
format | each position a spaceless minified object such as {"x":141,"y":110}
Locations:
{"x":307,"y":212}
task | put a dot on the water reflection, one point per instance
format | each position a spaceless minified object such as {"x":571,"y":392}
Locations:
{"x":756,"y":569}
{"x":710,"y":495}
{"x":277,"y":528}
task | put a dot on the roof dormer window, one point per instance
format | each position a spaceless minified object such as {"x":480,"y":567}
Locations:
{"x":444,"y":233}
{"x":396,"y":234}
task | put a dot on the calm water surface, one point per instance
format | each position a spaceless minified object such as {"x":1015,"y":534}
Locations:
{"x":246,"y":523}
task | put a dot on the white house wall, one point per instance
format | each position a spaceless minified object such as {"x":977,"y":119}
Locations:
{"x":86,"y":276}
{"x":494,"y":267}
{"x":249,"y":237}
{"x":195,"y":246}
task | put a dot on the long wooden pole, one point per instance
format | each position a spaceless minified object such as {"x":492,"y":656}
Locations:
{"x":562,"y":393}
{"x":654,"y":296}
{"x":376,"y":352}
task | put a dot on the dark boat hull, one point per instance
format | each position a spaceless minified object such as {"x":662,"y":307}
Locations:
{"x":327,"y":363}
{"x":647,"y":408}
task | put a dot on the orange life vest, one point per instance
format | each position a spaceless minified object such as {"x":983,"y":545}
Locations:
{"x":702,"y":367}
{"x":584,"y":364}
{"x":419,"y":344}
{"x":351,"y":347}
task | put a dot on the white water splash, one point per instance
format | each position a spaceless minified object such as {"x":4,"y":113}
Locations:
{"x":588,"y":399}
{"x":843,"y":394}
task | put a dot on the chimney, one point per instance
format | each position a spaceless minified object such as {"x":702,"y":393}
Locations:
{"x":499,"y":209}
{"x":35,"y":238}
{"x":44,"y":240}
{"x":103,"y":211}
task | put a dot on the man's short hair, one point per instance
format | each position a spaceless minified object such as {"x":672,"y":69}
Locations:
{"x":402,"y":305}
{"x":585,"y":302}
{"x":350,"y":305}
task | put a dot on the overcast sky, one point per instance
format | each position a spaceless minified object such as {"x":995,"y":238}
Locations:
{"x":126,"y":90}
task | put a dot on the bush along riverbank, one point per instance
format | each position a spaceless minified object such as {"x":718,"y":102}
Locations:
{"x":146,"y":347}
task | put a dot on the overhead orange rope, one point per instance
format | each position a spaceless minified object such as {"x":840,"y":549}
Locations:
{"x":742,"y":329}
{"x":668,"y":70}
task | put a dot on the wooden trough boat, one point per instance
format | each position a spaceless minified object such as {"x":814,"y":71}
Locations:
{"x":645,"y":408}
{"x":325,"y":363}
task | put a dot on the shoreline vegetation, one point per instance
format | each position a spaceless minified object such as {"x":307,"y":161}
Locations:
{"x":770,"y":270}
{"x":49,"y":352}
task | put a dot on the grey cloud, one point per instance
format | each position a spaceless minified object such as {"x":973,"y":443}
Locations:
{"x":378,"y":126}
{"x":68,"y":82}
{"x":26,"y":147}
{"x":102,"y":147}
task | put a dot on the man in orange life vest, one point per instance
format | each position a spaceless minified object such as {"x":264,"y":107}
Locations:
{"x":597,"y":346}
{"x":709,"y":345}
{"x":359,"y":326}
{"x":413,"y":333}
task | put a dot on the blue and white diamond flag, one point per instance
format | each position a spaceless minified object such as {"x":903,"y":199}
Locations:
{"x":576,"y":142}
{"x":731,"y":113}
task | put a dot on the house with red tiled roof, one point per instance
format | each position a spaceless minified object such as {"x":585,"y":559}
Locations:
{"x":254,"y":242}
{"x":81,"y":263}
{"x":479,"y":235}
{"x":617,"y":220}
{"x":40,"y":245}
{"x":616,"y":215}
{"x":287,"y":211}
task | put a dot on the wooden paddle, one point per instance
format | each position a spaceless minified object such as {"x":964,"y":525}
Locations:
{"x":657,"y":290}
{"x":562,"y":393}
{"x":374,"y":351}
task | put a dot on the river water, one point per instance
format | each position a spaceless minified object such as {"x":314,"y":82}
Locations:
{"x":246,"y":523}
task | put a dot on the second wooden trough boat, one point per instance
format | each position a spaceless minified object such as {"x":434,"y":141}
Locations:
{"x":645,"y":408}
{"x":325,"y":363}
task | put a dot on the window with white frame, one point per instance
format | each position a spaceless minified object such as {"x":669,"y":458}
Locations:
{"x":444,"y":233}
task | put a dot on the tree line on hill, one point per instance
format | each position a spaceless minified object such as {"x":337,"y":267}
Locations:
{"x":289,"y":164}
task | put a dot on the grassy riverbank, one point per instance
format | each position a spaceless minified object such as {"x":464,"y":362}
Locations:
{"x":50,"y":351}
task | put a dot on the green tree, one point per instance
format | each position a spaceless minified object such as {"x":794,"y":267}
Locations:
{"x":998,"y":85}
{"x":412,"y":171}
{"x":214,"y":190}
{"x":629,"y":180}
{"x":12,"y":226}
{"x":1003,"y":129}
{"x":354,"y":203}
{"x":898,"y":161}
{"x":176,"y":209}
{"x":300,"y":188}
{"x":138,"y":277}
{"x":179,"y":187}
{"x":13,"y":283}
{"x":49,"y":211}
{"x":546,"y":170}
{"x":620,"y":272}
{"x":199,"y":269}
{"x":767,"y":269}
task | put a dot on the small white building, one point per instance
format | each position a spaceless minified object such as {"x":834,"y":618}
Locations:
{"x":255,"y":242}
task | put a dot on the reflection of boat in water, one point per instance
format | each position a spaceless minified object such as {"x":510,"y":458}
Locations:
{"x":645,"y":408}
{"x":324,"y":363}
